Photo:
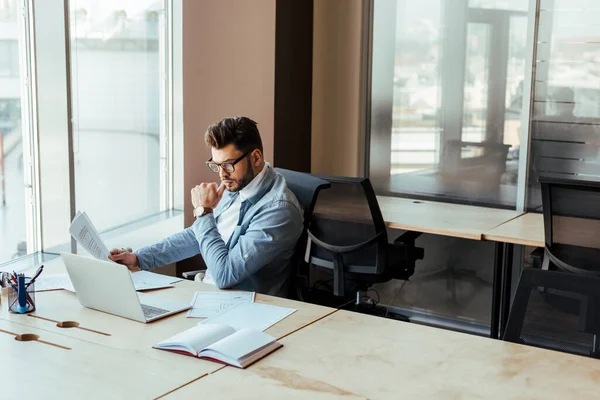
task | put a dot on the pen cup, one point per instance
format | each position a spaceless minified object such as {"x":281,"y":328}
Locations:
{"x":27,"y":303}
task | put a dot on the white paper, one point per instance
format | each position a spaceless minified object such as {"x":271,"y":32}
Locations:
{"x":86,"y":235}
{"x":145,"y":280}
{"x":250,"y":315}
{"x":53,"y":282}
{"x":209,"y":304}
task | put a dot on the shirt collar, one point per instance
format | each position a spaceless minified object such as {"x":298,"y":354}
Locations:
{"x":254,"y":186}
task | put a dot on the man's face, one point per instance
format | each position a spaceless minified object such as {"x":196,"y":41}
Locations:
{"x":243,"y":173}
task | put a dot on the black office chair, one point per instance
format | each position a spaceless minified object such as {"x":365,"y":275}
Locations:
{"x":556,"y":310}
{"x":571,"y":207}
{"x":347,"y":238}
{"x":306,"y":188}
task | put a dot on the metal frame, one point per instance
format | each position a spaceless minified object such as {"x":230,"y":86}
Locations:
{"x":365,"y":87}
{"x":29,"y":129}
{"x":528,"y":102}
{"x":166,"y":137}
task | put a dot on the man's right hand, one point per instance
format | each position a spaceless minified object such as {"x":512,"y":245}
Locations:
{"x":126,"y":258}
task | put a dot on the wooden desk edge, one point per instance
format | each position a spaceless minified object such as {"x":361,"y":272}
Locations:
{"x":512,"y":240}
{"x":442,"y":232}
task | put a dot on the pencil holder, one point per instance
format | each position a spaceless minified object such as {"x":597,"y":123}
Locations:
{"x":26,"y":302}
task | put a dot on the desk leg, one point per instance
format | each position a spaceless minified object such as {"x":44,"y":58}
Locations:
{"x":506,"y":286}
{"x":497,"y":289}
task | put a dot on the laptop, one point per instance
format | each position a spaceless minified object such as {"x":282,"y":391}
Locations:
{"x":107,"y":286}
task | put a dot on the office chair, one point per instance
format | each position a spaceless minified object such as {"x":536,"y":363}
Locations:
{"x":306,"y":188}
{"x":347,"y":239}
{"x":556,"y":310}
{"x":571,"y":224}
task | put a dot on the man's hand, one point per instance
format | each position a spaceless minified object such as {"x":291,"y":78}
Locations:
{"x":126,"y":258}
{"x":207,"y":195}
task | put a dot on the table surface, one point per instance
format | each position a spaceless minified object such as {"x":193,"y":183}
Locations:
{"x":138,"y":338}
{"x":527,"y":229}
{"x":353,"y":355}
{"x":468,"y":222}
{"x":81,"y":369}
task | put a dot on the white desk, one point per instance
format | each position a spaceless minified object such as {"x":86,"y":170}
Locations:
{"x":138,"y":337}
{"x":34,"y":370}
{"x":467,"y":222}
{"x":349,"y":355}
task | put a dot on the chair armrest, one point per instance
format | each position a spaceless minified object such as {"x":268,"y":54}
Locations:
{"x":191,"y":274}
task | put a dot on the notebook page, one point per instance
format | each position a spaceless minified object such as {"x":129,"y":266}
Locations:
{"x":198,"y":337}
{"x":241,"y":343}
{"x":250,"y":315}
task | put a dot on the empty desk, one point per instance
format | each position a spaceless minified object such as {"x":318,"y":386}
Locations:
{"x":349,"y":355}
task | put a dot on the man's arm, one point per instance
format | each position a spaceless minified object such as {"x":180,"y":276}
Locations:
{"x":271,"y":231}
{"x":175,"y":248}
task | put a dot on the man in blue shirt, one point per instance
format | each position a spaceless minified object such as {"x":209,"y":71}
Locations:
{"x":245,"y":229}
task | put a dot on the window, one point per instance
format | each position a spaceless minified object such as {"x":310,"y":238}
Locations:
{"x":118,"y":86}
{"x":14,"y":202}
{"x":565,"y":127}
{"x":446,"y":106}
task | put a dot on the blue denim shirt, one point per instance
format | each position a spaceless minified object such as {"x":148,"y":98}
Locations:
{"x":257,"y":256}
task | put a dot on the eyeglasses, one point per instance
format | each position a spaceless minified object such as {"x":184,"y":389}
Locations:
{"x":228,"y":167}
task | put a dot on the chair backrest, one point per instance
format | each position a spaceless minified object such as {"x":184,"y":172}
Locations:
{"x":571,"y":208}
{"x":347,"y":228}
{"x":306,"y":188}
{"x":555,"y":310}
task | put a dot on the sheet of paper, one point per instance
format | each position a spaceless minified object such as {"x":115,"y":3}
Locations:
{"x":53,"y":282}
{"x":209,"y":304}
{"x":250,"y":315}
{"x":145,"y":280}
{"x":86,"y":235}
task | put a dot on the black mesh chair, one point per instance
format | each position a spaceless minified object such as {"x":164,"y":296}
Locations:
{"x":305,"y":187}
{"x":556,"y":310}
{"x":347,"y":238}
{"x":571,"y":209}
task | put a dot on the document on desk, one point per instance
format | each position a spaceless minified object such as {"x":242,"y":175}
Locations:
{"x":209,"y":304}
{"x":142,"y":280}
{"x":53,"y":282}
{"x":145,"y":280}
{"x":84,"y":232}
{"x":250,"y":315}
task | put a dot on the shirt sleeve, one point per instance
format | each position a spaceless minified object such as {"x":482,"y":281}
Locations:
{"x":273,"y":230}
{"x":174,"y":248}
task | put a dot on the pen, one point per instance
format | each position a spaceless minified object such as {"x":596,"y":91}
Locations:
{"x":38,"y":272}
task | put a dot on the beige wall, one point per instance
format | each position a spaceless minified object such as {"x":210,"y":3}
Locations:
{"x":337,"y":72}
{"x":228,"y":69}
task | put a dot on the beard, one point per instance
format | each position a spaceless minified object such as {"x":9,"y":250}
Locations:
{"x":246,"y":179}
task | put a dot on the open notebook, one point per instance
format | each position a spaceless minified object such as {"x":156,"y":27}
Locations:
{"x":222,"y":343}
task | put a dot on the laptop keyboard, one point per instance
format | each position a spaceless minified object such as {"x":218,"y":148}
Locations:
{"x":151,"y":312}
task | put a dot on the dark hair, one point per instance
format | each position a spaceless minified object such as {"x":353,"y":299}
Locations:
{"x":241,"y":131}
